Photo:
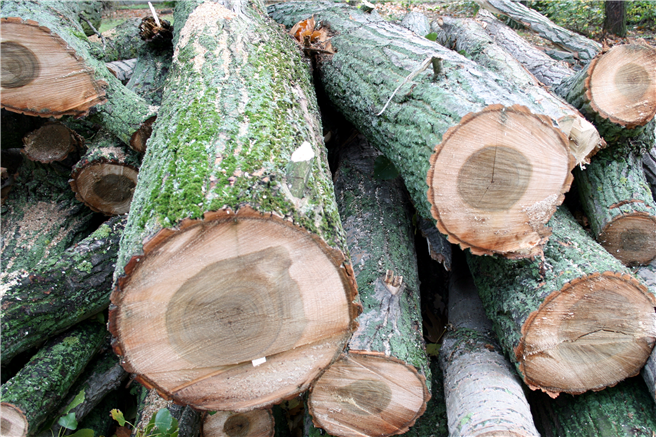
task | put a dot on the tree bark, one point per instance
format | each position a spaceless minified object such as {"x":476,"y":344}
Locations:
{"x":256,"y":423}
{"x":99,"y":419}
{"x":60,"y":291}
{"x":150,"y":73}
{"x":244,"y":188}
{"x":572,"y":321}
{"x":373,"y":57}
{"x":53,"y":74}
{"x":52,"y":142}
{"x":615,"y":90}
{"x":538,"y":23}
{"x":105,"y":177}
{"x":484,"y":396}
{"x":189,"y":420}
{"x":619,"y":205}
{"x":121,"y":42}
{"x":615,"y":18}
{"x":123,"y":70}
{"x":30,"y":396}
{"x":467,"y":36}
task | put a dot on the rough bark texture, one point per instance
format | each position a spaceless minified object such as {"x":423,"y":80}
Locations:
{"x":38,"y":388}
{"x":623,"y":410}
{"x":237,"y":153}
{"x":60,"y":291}
{"x":99,"y":419}
{"x":373,"y":58}
{"x":121,"y":42}
{"x":105,"y":177}
{"x":189,"y":420}
{"x":123,"y":70}
{"x":619,"y":206}
{"x":615,"y":18}
{"x":417,"y":23}
{"x":52,"y":142}
{"x":468,"y":37}
{"x":573,"y":320}
{"x":150,"y":73}
{"x":439,"y":247}
{"x":648,"y":275}
{"x":484,"y":396}
{"x":256,"y":423}
{"x":48,"y":44}
{"x":616,"y":91}
{"x":538,"y":23}
{"x":545,"y":69}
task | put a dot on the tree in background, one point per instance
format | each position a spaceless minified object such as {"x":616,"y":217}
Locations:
{"x":615,"y":18}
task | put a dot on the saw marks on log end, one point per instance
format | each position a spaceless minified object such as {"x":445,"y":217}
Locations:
{"x":52,"y":142}
{"x":496,"y":179}
{"x":13,"y":422}
{"x":631,"y":238}
{"x":105,"y":187}
{"x":256,"y":423}
{"x":371,"y":394}
{"x":593,"y":333}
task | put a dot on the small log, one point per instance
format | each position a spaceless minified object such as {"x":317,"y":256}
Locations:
{"x":585,"y":48}
{"x":51,"y":142}
{"x":189,"y":420}
{"x":619,"y":205}
{"x":484,"y":396}
{"x":545,"y":69}
{"x":616,"y":90}
{"x":416,"y":22}
{"x":466,"y":35}
{"x":256,"y":423}
{"x":14,"y":127}
{"x":35,"y":392}
{"x":60,"y":291}
{"x":240,"y":202}
{"x":573,"y":320}
{"x":623,"y":410}
{"x":445,"y":113}
{"x":120,"y":42}
{"x":122,"y":69}
{"x":105,"y":177}
{"x":150,"y":73}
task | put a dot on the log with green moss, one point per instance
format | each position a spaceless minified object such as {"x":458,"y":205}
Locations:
{"x":36,"y":391}
{"x":387,"y":366}
{"x":619,"y":206}
{"x":121,"y":42}
{"x":61,"y":290}
{"x":52,"y":72}
{"x":105,"y":177}
{"x":573,"y":320}
{"x":445,"y":128}
{"x":150,"y":73}
{"x":616,"y":91}
{"x":623,"y":410}
{"x":483,"y":394}
{"x":232,"y":263}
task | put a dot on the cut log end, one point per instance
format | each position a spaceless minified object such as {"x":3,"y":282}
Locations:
{"x":631,"y":238}
{"x":593,"y":333}
{"x":228,"y":301}
{"x":368,"y":394}
{"x":13,"y":422}
{"x":52,"y":142}
{"x":141,"y":135}
{"x":41,"y":75}
{"x":497,"y":178}
{"x":256,"y":423}
{"x":621,"y":84}
{"x":105,"y":187}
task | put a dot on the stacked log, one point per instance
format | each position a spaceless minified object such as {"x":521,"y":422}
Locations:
{"x":51,"y":142}
{"x":256,"y":423}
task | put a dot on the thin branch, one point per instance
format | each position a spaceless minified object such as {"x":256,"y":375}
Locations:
{"x":100,"y":35}
{"x":424,"y":65}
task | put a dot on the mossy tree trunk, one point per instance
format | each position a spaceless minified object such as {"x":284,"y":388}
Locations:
{"x":573,"y":320}
{"x":60,"y":291}
{"x":236,"y":162}
{"x":36,"y":391}
{"x":455,"y":114}
{"x":150,"y":72}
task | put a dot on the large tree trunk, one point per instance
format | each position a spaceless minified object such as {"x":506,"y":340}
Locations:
{"x":538,"y":23}
{"x":615,"y":18}
{"x":616,"y":90}
{"x":619,"y":206}
{"x":60,"y":291}
{"x":36,"y":391}
{"x":573,"y":320}
{"x":249,"y":279}
{"x":484,"y":396}
{"x":51,"y":72}
{"x":447,"y":114}
{"x":467,"y":36}
{"x":379,"y":233}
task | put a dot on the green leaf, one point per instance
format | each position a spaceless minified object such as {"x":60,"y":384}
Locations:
{"x":433,"y":349}
{"x":86,"y":432}
{"x":163,"y":420}
{"x":79,"y":398}
{"x":432,"y":36}
{"x":118,"y":416}
{"x":384,"y":170}
{"x":68,"y":421}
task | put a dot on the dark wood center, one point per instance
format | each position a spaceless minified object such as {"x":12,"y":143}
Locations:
{"x":632,"y":81}
{"x":113,"y":188}
{"x":635,"y":240}
{"x":365,"y":397}
{"x":20,"y":65}
{"x":238,"y":425}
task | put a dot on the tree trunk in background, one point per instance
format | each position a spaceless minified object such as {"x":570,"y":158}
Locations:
{"x":38,"y":388}
{"x":52,"y":142}
{"x":150,"y":73}
{"x":615,"y":18}
{"x":538,"y":23}
{"x":572,"y":321}
{"x":60,"y":291}
{"x":99,"y":419}
{"x":256,"y":423}
{"x":244,"y":187}
{"x":616,"y":90}
{"x":484,"y":396}
{"x":467,"y":36}
{"x":122,"y":69}
{"x":122,"y":42}
{"x":619,"y":206}
{"x":447,"y":114}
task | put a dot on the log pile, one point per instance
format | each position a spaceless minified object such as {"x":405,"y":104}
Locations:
{"x":262,"y":253}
